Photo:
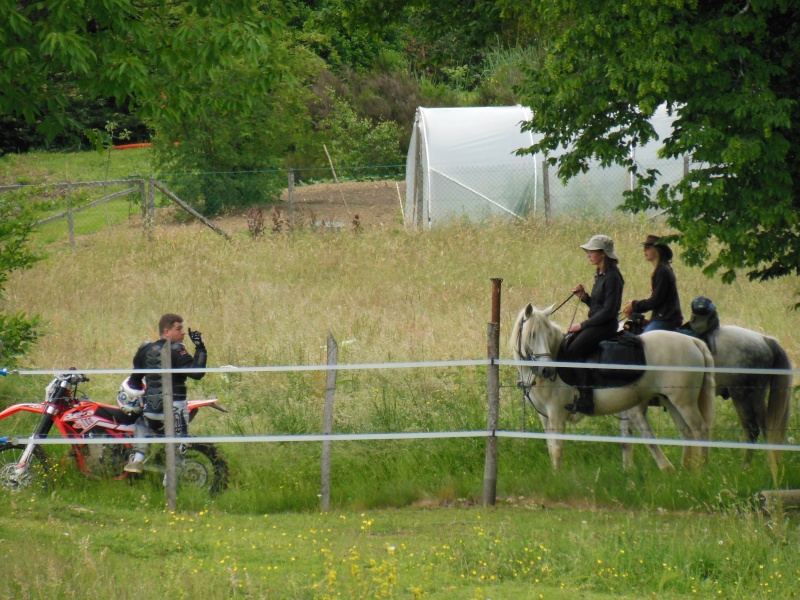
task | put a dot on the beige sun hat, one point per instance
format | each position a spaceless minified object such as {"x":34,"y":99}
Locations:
{"x":601,"y":242}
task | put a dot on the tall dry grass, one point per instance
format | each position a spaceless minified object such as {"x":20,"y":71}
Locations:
{"x":391,"y":295}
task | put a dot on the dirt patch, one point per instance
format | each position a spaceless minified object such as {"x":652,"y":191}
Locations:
{"x":330,"y":205}
{"x":377,"y":203}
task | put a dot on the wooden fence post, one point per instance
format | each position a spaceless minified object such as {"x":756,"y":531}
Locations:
{"x":151,"y":208}
{"x":169,"y":424}
{"x":172,"y":196}
{"x":70,"y":218}
{"x":493,"y":388}
{"x":291,"y":198}
{"x":546,"y":190}
{"x":327,"y":423}
{"x":419,"y":182}
{"x":143,"y":194}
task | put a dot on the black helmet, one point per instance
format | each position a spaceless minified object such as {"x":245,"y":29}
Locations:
{"x":702,"y":306}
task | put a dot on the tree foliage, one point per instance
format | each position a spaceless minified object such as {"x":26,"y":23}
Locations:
{"x":222,"y":159}
{"x":357,"y":142}
{"x":152,"y":55}
{"x":728,"y":70}
{"x":17,"y":331}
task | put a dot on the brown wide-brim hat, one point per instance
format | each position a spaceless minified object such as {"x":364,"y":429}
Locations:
{"x":601,"y":242}
{"x":655,"y":240}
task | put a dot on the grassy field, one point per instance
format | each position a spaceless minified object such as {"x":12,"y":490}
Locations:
{"x":386,"y":295}
{"x":56,"y":167}
{"x":56,"y":548}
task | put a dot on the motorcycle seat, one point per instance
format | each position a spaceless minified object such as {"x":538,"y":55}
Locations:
{"x":115,"y":414}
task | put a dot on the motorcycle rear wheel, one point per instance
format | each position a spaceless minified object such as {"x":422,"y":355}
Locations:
{"x":36,"y":473}
{"x":202,"y":467}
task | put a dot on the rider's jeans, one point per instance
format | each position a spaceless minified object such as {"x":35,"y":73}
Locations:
{"x":659,"y":325}
{"x":152,"y":424}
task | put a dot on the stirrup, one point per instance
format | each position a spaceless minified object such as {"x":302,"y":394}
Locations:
{"x":581,"y":404}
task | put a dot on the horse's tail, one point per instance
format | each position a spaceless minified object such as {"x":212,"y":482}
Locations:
{"x":779,"y":406}
{"x":707,"y":400}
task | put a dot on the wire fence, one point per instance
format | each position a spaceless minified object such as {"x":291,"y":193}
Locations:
{"x":453,"y":409}
{"x":332,"y":198}
{"x":436,"y":398}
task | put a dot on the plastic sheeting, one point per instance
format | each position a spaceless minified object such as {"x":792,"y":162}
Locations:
{"x":462,"y":163}
{"x":468,"y":166}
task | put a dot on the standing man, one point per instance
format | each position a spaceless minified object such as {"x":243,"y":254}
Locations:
{"x":148,"y":356}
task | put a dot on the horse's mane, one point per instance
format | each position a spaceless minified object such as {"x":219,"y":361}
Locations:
{"x":531,"y":319}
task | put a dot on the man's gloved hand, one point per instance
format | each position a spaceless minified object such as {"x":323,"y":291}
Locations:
{"x":197,"y":338}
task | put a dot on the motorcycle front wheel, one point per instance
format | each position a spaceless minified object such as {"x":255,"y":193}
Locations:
{"x":201,"y":466}
{"x":35,"y":473}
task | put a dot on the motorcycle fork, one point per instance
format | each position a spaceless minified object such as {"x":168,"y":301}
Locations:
{"x":42,"y":431}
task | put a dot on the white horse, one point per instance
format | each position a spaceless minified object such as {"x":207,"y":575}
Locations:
{"x":687,"y":395}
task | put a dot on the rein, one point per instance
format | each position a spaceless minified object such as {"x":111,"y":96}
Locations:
{"x":563,"y":303}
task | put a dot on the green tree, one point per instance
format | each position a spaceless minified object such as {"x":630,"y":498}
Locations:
{"x":218,"y":159}
{"x":17,"y":331}
{"x":728,"y":71}
{"x":358,"y":142}
{"x":152,"y":55}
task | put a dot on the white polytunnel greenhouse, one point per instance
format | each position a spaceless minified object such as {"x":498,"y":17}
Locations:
{"x":462,"y":163}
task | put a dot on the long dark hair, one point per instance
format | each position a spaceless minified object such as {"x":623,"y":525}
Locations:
{"x":664,"y":254}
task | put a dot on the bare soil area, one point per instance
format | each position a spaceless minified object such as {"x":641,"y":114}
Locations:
{"x":373,"y":204}
{"x":330,"y":205}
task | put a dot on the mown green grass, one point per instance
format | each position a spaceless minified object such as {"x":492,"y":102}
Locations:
{"x":56,"y":547}
{"x":57,"y":167}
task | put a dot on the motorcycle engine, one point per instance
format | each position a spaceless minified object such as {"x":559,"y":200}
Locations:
{"x":104,"y":460}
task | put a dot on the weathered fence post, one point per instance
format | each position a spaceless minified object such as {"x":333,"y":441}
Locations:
{"x":172,"y":196}
{"x":169,"y":423}
{"x":151,"y":208}
{"x":493,"y":387}
{"x":70,"y":218}
{"x":546,"y":190}
{"x":327,"y":424}
{"x":291,"y":198}
{"x":143,"y":194}
{"x":419,"y":182}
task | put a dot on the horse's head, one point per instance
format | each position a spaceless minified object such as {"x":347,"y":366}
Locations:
{"x":535,"y":338}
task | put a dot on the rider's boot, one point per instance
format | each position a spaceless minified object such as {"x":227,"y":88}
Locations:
{"x":135,"y":464}
{"x":584,"y":401}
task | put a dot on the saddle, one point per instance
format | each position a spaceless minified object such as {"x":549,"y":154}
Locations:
{"x":623,"y":349}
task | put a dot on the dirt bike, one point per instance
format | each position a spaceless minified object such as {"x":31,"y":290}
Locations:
{"x":199,"y":465}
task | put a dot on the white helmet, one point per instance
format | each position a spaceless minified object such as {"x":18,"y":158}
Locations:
{"x":129,"y":399}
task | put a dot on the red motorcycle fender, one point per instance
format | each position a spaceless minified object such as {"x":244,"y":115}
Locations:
{"x":195,"y":405}
{"x":37,"y":407}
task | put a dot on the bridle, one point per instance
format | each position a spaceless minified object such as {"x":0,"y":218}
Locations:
{"x":527,"y":383}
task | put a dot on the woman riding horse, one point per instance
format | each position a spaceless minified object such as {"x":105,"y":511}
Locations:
{"x":663,"y":301}
{"x":601,"y":324}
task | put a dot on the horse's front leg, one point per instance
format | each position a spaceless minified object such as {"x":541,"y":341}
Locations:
{"x":555,"y":424}
{"x":638,"y":417}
